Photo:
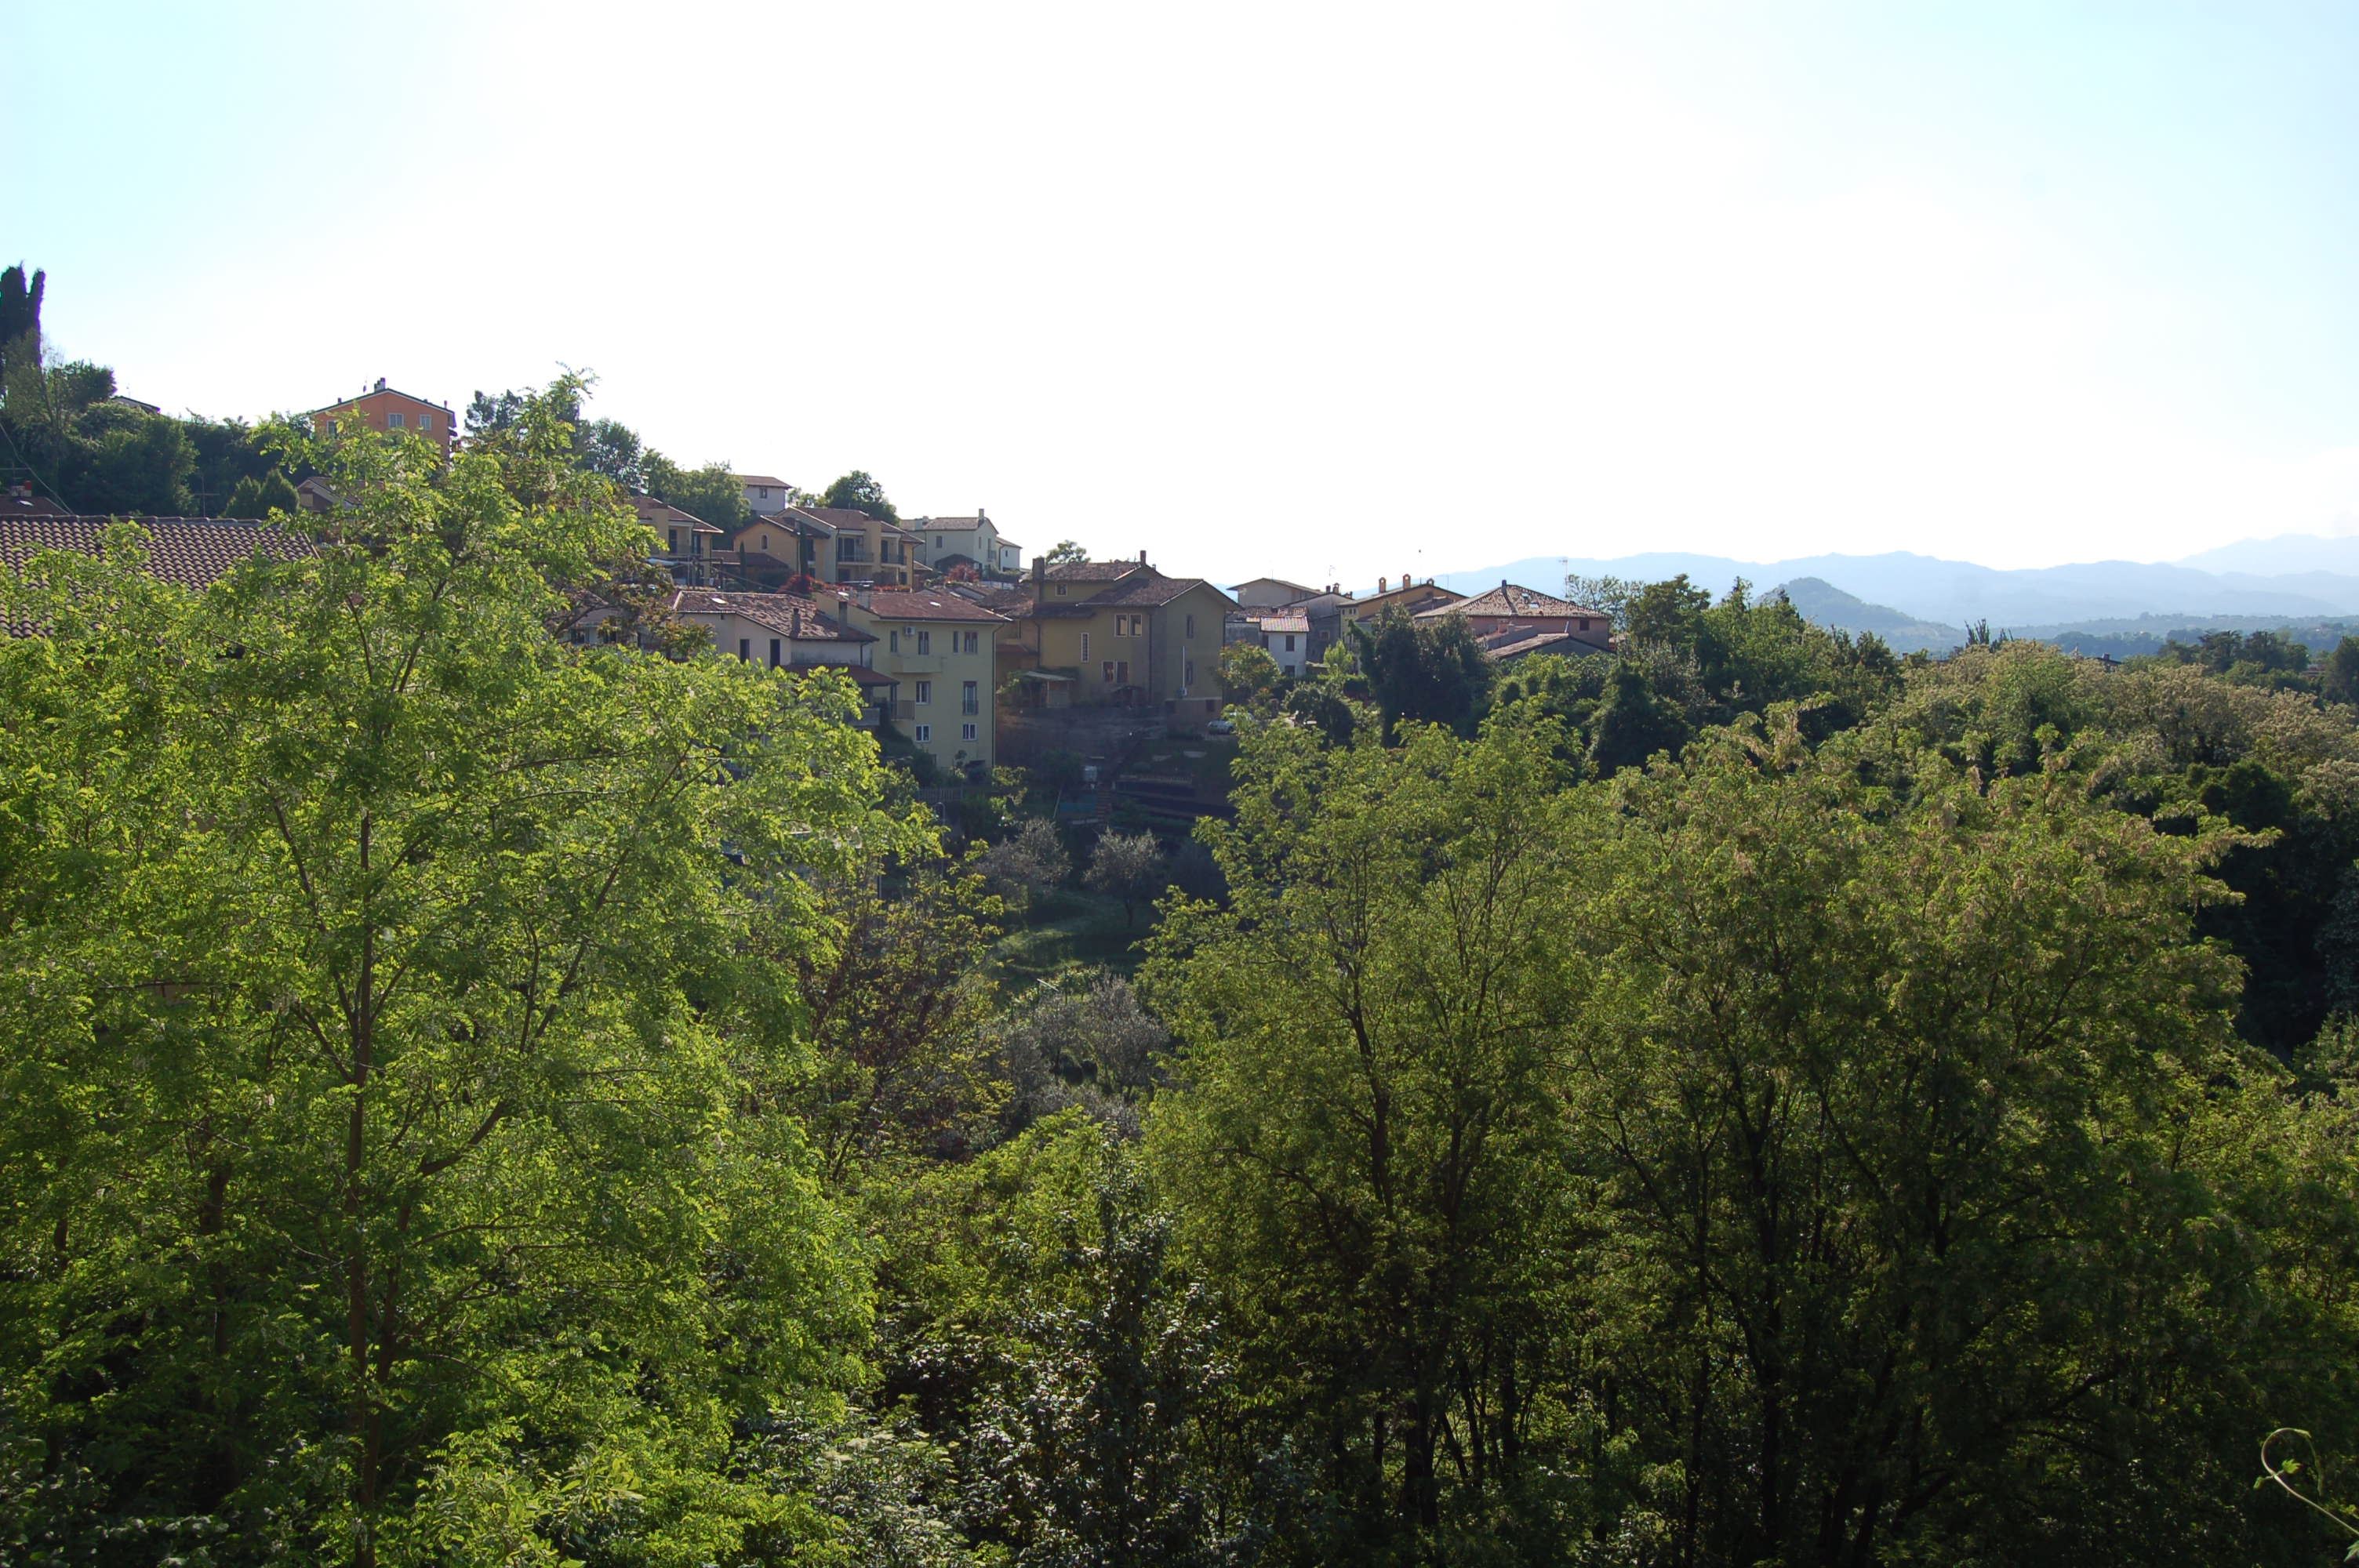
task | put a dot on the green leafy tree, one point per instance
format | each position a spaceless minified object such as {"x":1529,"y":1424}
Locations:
{"x":711,"y":493}
{"x":1423,"y":672}
{"x":1250,"y":678}
{"x":1836,"y":1090}
{"x":896,"y":1004}
{"x":1035,"y":1318}
{"x":443,"y":1210}
{"x":20,"y":318}
{"x":1364,"y":1141}
{"x":224,"y":453}
{"x":1128,"y":866}
{"x":859,"y":492}
{"x":2338,"y":680}
{"x":1029,"y":861}
{"x":260,"y":498}
{"x":1065,"y":553}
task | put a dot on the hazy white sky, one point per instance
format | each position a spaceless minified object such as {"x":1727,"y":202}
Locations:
{"x":1323,"y":291}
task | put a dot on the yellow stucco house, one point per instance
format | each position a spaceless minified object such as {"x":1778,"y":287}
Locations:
{"x":1122,"y":632}
{"x":944,"y":651}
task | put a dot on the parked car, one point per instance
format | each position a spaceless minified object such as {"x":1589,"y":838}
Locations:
{"x":1221,"y":727}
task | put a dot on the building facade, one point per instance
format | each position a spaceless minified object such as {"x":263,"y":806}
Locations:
{"x":942,"y":650}
{"x":1125,"y":634}
{"x":383,"y":408}
{"x":787,"y":631}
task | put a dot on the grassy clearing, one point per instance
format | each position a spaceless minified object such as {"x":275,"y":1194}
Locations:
{"x":1069,"y":929}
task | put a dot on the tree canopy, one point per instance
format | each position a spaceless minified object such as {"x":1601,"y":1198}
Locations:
{"x":859,"y":492}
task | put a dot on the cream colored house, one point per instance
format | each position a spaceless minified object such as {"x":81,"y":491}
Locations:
{"x":942,"y":650}
{"x":765,"y":493}
{"x":786,"y":630}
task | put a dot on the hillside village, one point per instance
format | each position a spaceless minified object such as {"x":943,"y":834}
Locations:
{"x":967,"y":652}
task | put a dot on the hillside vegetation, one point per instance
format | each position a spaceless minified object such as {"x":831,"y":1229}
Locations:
{"x":474,"y":1096}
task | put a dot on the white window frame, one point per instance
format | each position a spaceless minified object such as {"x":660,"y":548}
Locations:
{"x":924,"y":694}
{"x":966,"y":731}
{"x":925,"y":734}
{"x":1085,"y":647}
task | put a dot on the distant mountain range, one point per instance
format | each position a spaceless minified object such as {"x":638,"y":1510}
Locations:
{"x":1823,"y":604}
{"x":2295,"y":577}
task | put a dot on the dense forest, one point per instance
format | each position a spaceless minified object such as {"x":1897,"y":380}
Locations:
{"x":474,"y":1097}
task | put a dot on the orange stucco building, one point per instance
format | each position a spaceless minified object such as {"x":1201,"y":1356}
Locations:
{"x":382,"y":408}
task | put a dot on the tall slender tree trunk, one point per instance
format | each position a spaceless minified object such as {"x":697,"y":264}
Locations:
{"x":366,"y":1431}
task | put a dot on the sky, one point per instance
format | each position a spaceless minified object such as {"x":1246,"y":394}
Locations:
{"x":1319,"y":291}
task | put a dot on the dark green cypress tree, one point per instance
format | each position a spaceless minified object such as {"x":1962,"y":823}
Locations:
{"x":20,"y":311}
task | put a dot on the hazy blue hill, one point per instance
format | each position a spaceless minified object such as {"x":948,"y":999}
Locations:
{"x":2284,"y":555}
{"x":1957,"y":593}
{"x":1823,"y":604}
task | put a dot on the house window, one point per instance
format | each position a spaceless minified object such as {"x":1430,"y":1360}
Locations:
{"x":774,"y":653}
{"x":1186,"y":674}
{"x":1290,"y":642}
{"x":745,"y":649}
{"x":925,"y":693}
{"x":967,"y":699}
{"x":1191,"y":627}
{"x":1122,"y":672}
{"x":1085,"y":647}
{"x":925,"y":733}
{"x":966,"y":731}
{"x":765,"y":541}
{"x":394,"y":421}
{"x":1106,"y":674}
{"x":1060,"y":590}
{"x":892,"y":641}
{"x":765,"y":491}
{"x":925,"y":641}
{"x":940,"y":543}
{"x":674,"y":545}
{"x":972,"y":646}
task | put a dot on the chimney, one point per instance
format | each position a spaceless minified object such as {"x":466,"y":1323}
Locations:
{"x":1382,"y":582}
{"x":1039,"y":570}
{"x":380,"y":384}
{"x":980,"y":516}
{"x":1142,"y":557}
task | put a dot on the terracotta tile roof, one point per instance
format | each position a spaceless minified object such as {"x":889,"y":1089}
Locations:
{"x":1509,"y":599}
{"x":380,"y":390}
{"x":194,"y":552}
{"x":663,"y":514}
{"x":15,"y":506}
{"x":921,"y":604}
{"x":1282,"y":625}
{"x":1152,"y":588}
{"x":1301,"y":590}
{"x":861,"y":673}
{"x":948,"y":524}
{"x":790,"y":615}
{"x":1419,"y":590}
{"x":999,"y":597}
{"x":1519,"y":642}
{"x":1096,"y":571}
{"x":771,"y":480}
{"x":836,"y":516}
